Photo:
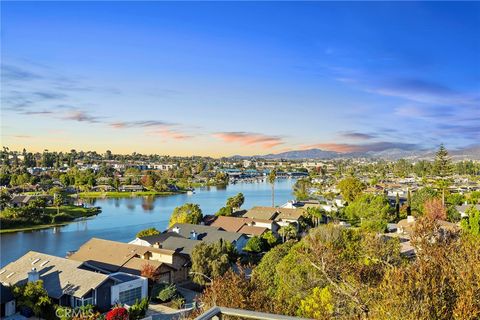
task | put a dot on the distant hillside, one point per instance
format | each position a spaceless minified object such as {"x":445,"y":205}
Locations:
{"x":303,"y":154}
{"x":467,"y":153}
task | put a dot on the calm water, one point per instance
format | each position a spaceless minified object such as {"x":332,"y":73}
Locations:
{"x":122,"y":218}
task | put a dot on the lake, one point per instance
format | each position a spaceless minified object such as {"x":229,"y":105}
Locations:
{"x":122,"y":218}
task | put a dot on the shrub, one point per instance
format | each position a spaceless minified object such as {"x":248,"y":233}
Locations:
{"x":117,"y":313}
{"x":178,"y":303}
{"x":61,"y":217}
{"x":138,"y":309}
{"x":164,"y":292}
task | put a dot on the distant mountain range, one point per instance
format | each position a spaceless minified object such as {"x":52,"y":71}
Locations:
{"x":467,"y":153}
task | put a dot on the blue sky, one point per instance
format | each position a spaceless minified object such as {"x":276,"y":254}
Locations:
{"x":240,"y":78}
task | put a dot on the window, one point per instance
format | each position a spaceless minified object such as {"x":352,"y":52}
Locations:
{"x":129,"y":297}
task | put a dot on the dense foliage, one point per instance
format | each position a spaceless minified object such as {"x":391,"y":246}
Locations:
{"x":337,"y":273}
{"x":210,"y":260}
{"x":187,"y":213}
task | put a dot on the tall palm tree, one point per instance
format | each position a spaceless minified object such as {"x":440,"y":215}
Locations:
{"x":271,"y":179}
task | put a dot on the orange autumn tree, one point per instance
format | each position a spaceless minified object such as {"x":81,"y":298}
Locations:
{"x":149,"y":271}
{"x":434,"y":209}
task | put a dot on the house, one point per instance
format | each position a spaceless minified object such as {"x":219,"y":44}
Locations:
{"x":154,"y":240}
{"x":282,"y":216}
{"x":7,"y":302}
{"x":209,"y":234}
{"x":130,"y":188}
{"x":111,"y":256}
{"x":248,"y":226}
{"x":20,"y":201}
{"x":464,"y":207}
{"x":407,"y":226}
{"x":69,"y":284}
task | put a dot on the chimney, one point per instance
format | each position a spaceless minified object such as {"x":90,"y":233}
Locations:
{"x":193,"y":235}
{"x":33,"y":276}
{"x":410,"y":219}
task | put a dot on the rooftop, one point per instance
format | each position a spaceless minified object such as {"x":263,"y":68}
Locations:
{"x":59,"y":275}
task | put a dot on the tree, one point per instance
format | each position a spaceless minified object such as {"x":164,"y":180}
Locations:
{"x":288,"y":232}
{"x":59,"y":199}
{"x":147,"y":232}
{"x":272,"y":176}
{"x":397,"y":206}
{"x":372,"y":211}
{"x":318,"y":304}
{"x":149,"y":271}
{"x":270,"y":239}
{"x":254,"y":245}
{"x":471,"y":224}
{"x":32,"y":295}
{"x":236,"y":202}
{"x":350,"y":188}
{"x":434,"y":209}
{"x":420,"y":197}
{"x":224,"y":211}
{"x":301,"y":189}
{"x":211,"y":260}
{"x":186,"y":213}
{"x":442,"y":165}
{"x":265,"y":273}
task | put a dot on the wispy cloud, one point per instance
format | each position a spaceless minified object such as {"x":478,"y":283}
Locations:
{"x":170,"y":133}
{"x":376,"y":146}
{"x":14,"y":73}
{"x":423,"y":91}
{"x":80,"y":116}
{"x":356,"y":135}
{"x":139,"y":124}
{"x":22,"y":136}
{"x":249,"y":138}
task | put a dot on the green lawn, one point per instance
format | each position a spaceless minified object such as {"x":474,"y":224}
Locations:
{"x":73,"y":212}
{"x":117,"y":194}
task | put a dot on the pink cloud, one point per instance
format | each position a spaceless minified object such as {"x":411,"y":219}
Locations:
{"x":248,"y":138}
{"x":171,"y":134}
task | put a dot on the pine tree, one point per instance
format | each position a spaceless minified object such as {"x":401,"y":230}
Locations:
{"x":443,"y":164}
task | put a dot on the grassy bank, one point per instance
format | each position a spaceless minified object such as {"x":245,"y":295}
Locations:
{"x":117,"y":194}
{"x":51,"y":217}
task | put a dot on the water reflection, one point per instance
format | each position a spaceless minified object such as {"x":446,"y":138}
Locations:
{"x":122,"y":218}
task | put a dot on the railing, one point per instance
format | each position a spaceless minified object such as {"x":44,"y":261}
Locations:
{"x":218,"y":312}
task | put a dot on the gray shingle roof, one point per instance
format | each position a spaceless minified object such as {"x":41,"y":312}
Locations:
{"x":60,"y":276}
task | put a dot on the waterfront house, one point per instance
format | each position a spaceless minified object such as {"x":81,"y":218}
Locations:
{"x":209,"y":234}
{"x":69,"y":283}
{"x":282,"y":216}
{"x":248,"y":226}
{"x":130,"y":188}
{"x":111,"y":256}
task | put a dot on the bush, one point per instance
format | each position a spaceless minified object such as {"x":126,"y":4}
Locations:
{"x":164,"y":292}
{"x":117,"y":313}
{"x":61,"y":217}
{"x":177,"y":303}
{"x":138,"y":309}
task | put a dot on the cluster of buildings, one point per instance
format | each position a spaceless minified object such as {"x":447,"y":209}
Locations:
{"x":103,"y":272}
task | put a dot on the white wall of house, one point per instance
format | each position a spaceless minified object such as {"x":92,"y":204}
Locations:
{"x":140,"y":282}
{"x":140,"y":242}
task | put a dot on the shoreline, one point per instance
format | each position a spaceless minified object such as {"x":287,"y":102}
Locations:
{"x":89,"y":212}
{"x":117,"y":194}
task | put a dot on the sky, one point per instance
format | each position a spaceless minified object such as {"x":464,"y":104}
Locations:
{"x":248,"y":78}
